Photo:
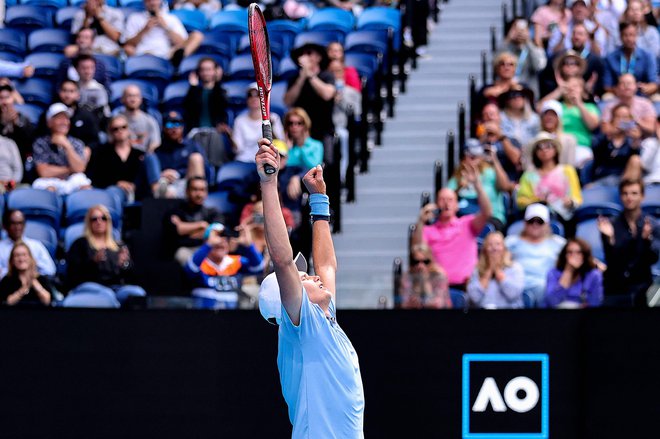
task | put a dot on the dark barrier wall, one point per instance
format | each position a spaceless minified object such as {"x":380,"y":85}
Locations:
{"x":193,"y":374}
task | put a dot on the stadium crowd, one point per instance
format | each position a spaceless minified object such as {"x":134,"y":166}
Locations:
{"x":112,"y":103}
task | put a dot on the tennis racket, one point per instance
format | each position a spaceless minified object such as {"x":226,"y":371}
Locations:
{"x":263,"y":69}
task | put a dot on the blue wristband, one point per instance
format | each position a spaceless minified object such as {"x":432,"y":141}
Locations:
{"x":320,"y":205}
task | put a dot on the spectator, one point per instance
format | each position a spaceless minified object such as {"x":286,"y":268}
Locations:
{"x":628,"y":58}
{"x":580,"y":116}
{"x":208,"y":7}
{"x":215,"y":272}
{"x":631,"y":245}
{"x":494,"y":181}
{"x":425,"y":284}
{"x":616,"y":154}
{"x":84,"y":124}
{"x":23,"y":285}
{"x":117,"y":165}
{"x":59,"y":158}
{"x":106,"y":22}
{"x":519,"y":121}
{"x":96,"y":258}
{"x":509,"y":151}
{"x":11,"y":165}
{"x":497,"y":281}
{"x":83,"y":46}
{"x":549,"y":182}
{"x":247,"y":127}
{"x":93,"y":95}
{"x":15,"y":69}
{"x":531,"y":57}
{"x":505,"y":65}
{"x":144,"y":129}
{"x":313,"y":89}
{"x":13,"y":221}
{"x":571,"y":64}
{"x":188,"y":222}
{"x":536,"y":250}
{"x":13,"y":124}
{"x":641,"y":108}
{"x":176,"y":160}
{"x":551,"y":116}
{"x":560,"y":38}
{"x":252,"y":215}
{"x":547,"y":17}
{"x":348,"y":74}
{"x":648,"y":37}
{"x":453,"y":240}
{"x":155,"y":31}
{"x":650,"y":157}
{"x":576,"y":281}
{"x":304,"y":153}
{"x":205,"y":111}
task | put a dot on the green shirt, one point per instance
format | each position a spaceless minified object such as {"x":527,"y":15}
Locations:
{"x":573,"y":123}
{"x":489,"y":183}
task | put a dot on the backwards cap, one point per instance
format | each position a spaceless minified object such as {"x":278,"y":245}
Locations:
{"x":270,"y":303}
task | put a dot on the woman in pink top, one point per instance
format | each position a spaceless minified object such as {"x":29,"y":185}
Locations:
{"x":546,"y":17}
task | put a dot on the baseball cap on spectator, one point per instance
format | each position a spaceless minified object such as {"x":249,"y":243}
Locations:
{"x":281,"y":147}
{"x":572,"y":3}
{"x":473,"y":147}
{"x":251,"y":87}
{"x":173,"y":119}
{"x":270,"y":303}
{"x":56,"y":109}
{"x":552,"y":105}
{"x":537,"y":210}
{"x":514,"y":92}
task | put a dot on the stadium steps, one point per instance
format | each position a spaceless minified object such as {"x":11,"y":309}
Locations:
{"x":375,"y":228}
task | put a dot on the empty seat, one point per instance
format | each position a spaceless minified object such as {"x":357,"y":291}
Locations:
{"x":331,"y":18}
{"x":37,"y":204}
{"x":217,"y":43}
{"x":78,"y":203}
{"x":13,"y":41}
{"x":113,"y":65}
{"x":287,"y":69}
{"x":322,"y":38}
{"x":588,"y":230}
{"x":151,"y":68}
{"x":241,"y":67}
{"x":64,"y":17}
{"x":382,"y":18}
{"x":28,"y":17}
{"x":232,"y":23}
{"x":32,"y":112}
{"x":43,"y":233}
{"x":49,"y":40}
{"x":46,"y":65}
{"x":192,"y":19}
{"x":457,"y":298}
{"x":236,"y":92}
{"x":49,"y":4}
{"x":286,"y":30}
{"x":174,"y":95}
{"x":10,"y":56}
{"x":221,"y":201}
{"x":277,"y":104}
{"x":277,"y":49}
{"x":91,"y":296}
{"x":36,"y":91}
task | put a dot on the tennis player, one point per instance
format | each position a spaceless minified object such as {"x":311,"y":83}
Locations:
{"x":318,"y":366}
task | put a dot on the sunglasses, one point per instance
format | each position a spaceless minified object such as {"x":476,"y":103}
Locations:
{"x":421,"y":261}
{"x":253,"y":94}
{"x":170,"y":125}
{"x":537,"y":221}
{"x":118,"y":128}
{"x":573,"y":252}
{"x":295,"y":123}
{"x":545,"y":145}
{"x":571,"y":62}
{"x":98,"y":219}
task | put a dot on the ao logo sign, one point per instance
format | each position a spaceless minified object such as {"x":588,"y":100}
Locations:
{"x":505,"y":395}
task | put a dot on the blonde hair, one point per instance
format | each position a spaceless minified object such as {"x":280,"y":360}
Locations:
{"x":109,"y":240}
{"x":11,"y":271}
{"x":503,"y":55}
{"x":301,"y":113}
{"x":425,"y":250}
{"x":484,"y":264}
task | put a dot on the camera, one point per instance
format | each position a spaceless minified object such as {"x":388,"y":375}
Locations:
{"x":434,"y":217}
{"x":628,"y":125}
{"x":152,"y":13}
{"x":258,"y":218}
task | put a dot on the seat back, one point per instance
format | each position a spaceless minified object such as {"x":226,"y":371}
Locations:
{"x":78,"y":203}
{"x":36,"y":91}
{"x":46,"y":65}
{"x":91,"y":296}
{"x":49,"y":40}
{"x":37,"y":204}
{"x":32,"y":112}
{"x":149,"y":91}
{"x":28,"y":17}
{"x":43,"y":233}
{"x":331,"y":18}
{"x":64,"y":17}
{"x":322,"y":38}
{"x":588,"y":230}
{"x":113,"y":65}
{"x":457,"y":298}
{"x":174,"y":95}
{"x":13,"y":40}
{"x":192,"y":19}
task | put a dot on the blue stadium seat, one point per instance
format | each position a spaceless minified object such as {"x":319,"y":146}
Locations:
{"x":528,"y":300}
{"x":322,"y":38}
{"x":91,"y":296}
{"x":174,"y":94}
{"x":458,"y":300}
{"x":113,"y":65}
{"x":135,"y":4}
{"x":46,"y":65}
{"x":276,"y":46}
{"x":49,"y":4}
{"x":13,"y":40}
{"x":78,"y":203}
{"x":241,"y":67}
{"x":287,"y":69}
{"x":32,"y":112}
{"x":373,"y":42}
{"x":189,"y":64}
{"x":277,"y":104}
{"x":651,"y":203}
{"x":151,"y":68}
{"x":217,"y":43}
{"x":43,"y":233}
{"x":236,"y":177}
{"x":149,"y":91}
{"x":9,"y":56}
{"x":286,"y":30}
{"x":600,"y":194}
{"x":28,"y":18}
{"x":331,"y":18}
{"x":232,"y":23}
{"x":64,"y":17}
{"x":37,"y":204}
{"x":49,"y":40}
{"x":236,"y":93}
{"x":192,"y":19}
{"x":221,"y":201}
{"x":382,"y":18}
{"x":588,"y":230}
{"x":36,"y":91}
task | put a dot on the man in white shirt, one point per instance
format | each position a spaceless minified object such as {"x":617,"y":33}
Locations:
{"x":107,"y":23}
{"x":156,"y":32}
{"x":14,"y":223}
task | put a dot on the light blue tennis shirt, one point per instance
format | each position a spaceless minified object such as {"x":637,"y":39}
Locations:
{"x":320,"y":376}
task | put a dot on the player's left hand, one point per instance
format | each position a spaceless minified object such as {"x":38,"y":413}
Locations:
{"x":314,"y":180}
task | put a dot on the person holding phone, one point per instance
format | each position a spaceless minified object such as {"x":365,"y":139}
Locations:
{"x":319,"y":368}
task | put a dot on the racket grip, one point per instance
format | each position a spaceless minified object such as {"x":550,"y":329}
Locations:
{"x":267,"y":132}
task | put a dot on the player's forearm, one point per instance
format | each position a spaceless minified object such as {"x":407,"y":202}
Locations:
{"x":323,"y":250}
{"x":277,"y":237}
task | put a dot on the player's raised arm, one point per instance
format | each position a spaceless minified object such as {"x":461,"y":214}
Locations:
{"x":323,"y":250}
{"x":277,"y":237}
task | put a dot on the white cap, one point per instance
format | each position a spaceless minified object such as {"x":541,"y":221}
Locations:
{"x":537,"y":210}
{"x":572,"y":2}
{"x":554,"y":106}
{"x":56,"y":109}
{"x":270,"y":303}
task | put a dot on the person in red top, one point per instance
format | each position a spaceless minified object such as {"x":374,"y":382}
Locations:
{"x":350,"y":74}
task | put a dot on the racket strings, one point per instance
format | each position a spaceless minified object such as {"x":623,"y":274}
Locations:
{"x":262,"y":51}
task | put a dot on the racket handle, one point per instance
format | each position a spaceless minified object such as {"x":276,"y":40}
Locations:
{"x":267,"y":132}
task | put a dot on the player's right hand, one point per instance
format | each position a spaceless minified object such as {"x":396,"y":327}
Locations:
{"x":314,"y":180}
{"x":267,"y":154}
